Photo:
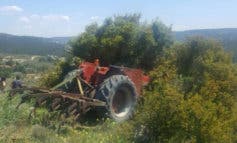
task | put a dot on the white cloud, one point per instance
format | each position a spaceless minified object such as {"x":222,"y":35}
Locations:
{"x":24,"y":19}
{"x":50,"y":17}
{"x":42,"y":24}
{"x":35,"y":16}
{"x":66,"y":18}
{"x":11,"y":8}
{"x":56,"y":18}
{"x":43,"y":20}
{"x":94,"y":17}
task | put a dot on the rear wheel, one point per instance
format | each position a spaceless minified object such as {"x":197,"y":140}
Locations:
{"x":119,"y":92}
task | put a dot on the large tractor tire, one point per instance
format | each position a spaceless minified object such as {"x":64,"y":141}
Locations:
{"x":119,"y":92}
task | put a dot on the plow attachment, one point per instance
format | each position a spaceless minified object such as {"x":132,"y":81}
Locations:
{"x":70,"y":104}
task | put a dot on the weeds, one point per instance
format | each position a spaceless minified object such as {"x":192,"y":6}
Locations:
{"x":47,"y":127}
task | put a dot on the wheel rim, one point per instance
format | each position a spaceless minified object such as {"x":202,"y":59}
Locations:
{"x":122,"y":102}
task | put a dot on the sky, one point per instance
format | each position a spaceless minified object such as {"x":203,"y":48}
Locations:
{"x":55,"y":18}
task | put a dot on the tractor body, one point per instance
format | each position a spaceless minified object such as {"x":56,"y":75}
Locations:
{"x":94,"y":75}
{"x":114,"y":89}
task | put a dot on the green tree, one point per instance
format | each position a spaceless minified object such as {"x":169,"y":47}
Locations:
{"x":5,"y":71}
{"x":191,"y":97}
{"x":123,"y":40}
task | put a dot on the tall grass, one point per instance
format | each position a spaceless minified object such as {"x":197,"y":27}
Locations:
{"x":15,"y":126}
{"x":8,"y":113}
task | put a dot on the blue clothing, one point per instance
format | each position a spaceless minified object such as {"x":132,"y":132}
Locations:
{"x":16,"y":84}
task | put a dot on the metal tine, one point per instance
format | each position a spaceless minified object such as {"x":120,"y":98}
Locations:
{"x":56,"y":103}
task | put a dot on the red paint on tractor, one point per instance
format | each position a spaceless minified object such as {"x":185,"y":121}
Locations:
{"x":137,"y":77}
{"x":93,"y":74}
{"x":92,"y":71}
{"x":88,"y":70}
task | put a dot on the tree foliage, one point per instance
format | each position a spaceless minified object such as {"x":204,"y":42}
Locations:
{"x":192,"y":94}
{"x":123,"y":40}
{"x":56,"y":75}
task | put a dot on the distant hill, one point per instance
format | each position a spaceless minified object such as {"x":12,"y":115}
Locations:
{"x":29,"y":45}
{"x":61,"y":40}
{"x":11,"y":44}
{"x":228,"y":37}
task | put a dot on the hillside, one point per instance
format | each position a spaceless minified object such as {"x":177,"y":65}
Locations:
{"x":12,"y":44}
{"x":27,"y":45}
{"x":228,"y":36}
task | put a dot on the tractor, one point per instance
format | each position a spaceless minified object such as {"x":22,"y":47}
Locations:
{"x":113,"y":90}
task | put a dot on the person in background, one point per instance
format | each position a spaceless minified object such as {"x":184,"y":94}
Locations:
{"x":2,"y":83}
{"x":17,"y":83}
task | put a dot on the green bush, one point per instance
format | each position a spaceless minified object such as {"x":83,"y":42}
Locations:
{"x":192,"y":96}
{"x":8,"y":112}
{"x":123,"y":40}
{"x":56,"y":75}
{"x":5,"y":71}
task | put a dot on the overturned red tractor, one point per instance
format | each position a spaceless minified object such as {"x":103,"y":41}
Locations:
{"x":112,"y":89}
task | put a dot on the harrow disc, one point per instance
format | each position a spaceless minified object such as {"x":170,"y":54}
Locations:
{"x":68,"y":104}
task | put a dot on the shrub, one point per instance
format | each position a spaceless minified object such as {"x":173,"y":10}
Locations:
{"x":202,"y":112}
{"x":123,"y":40}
